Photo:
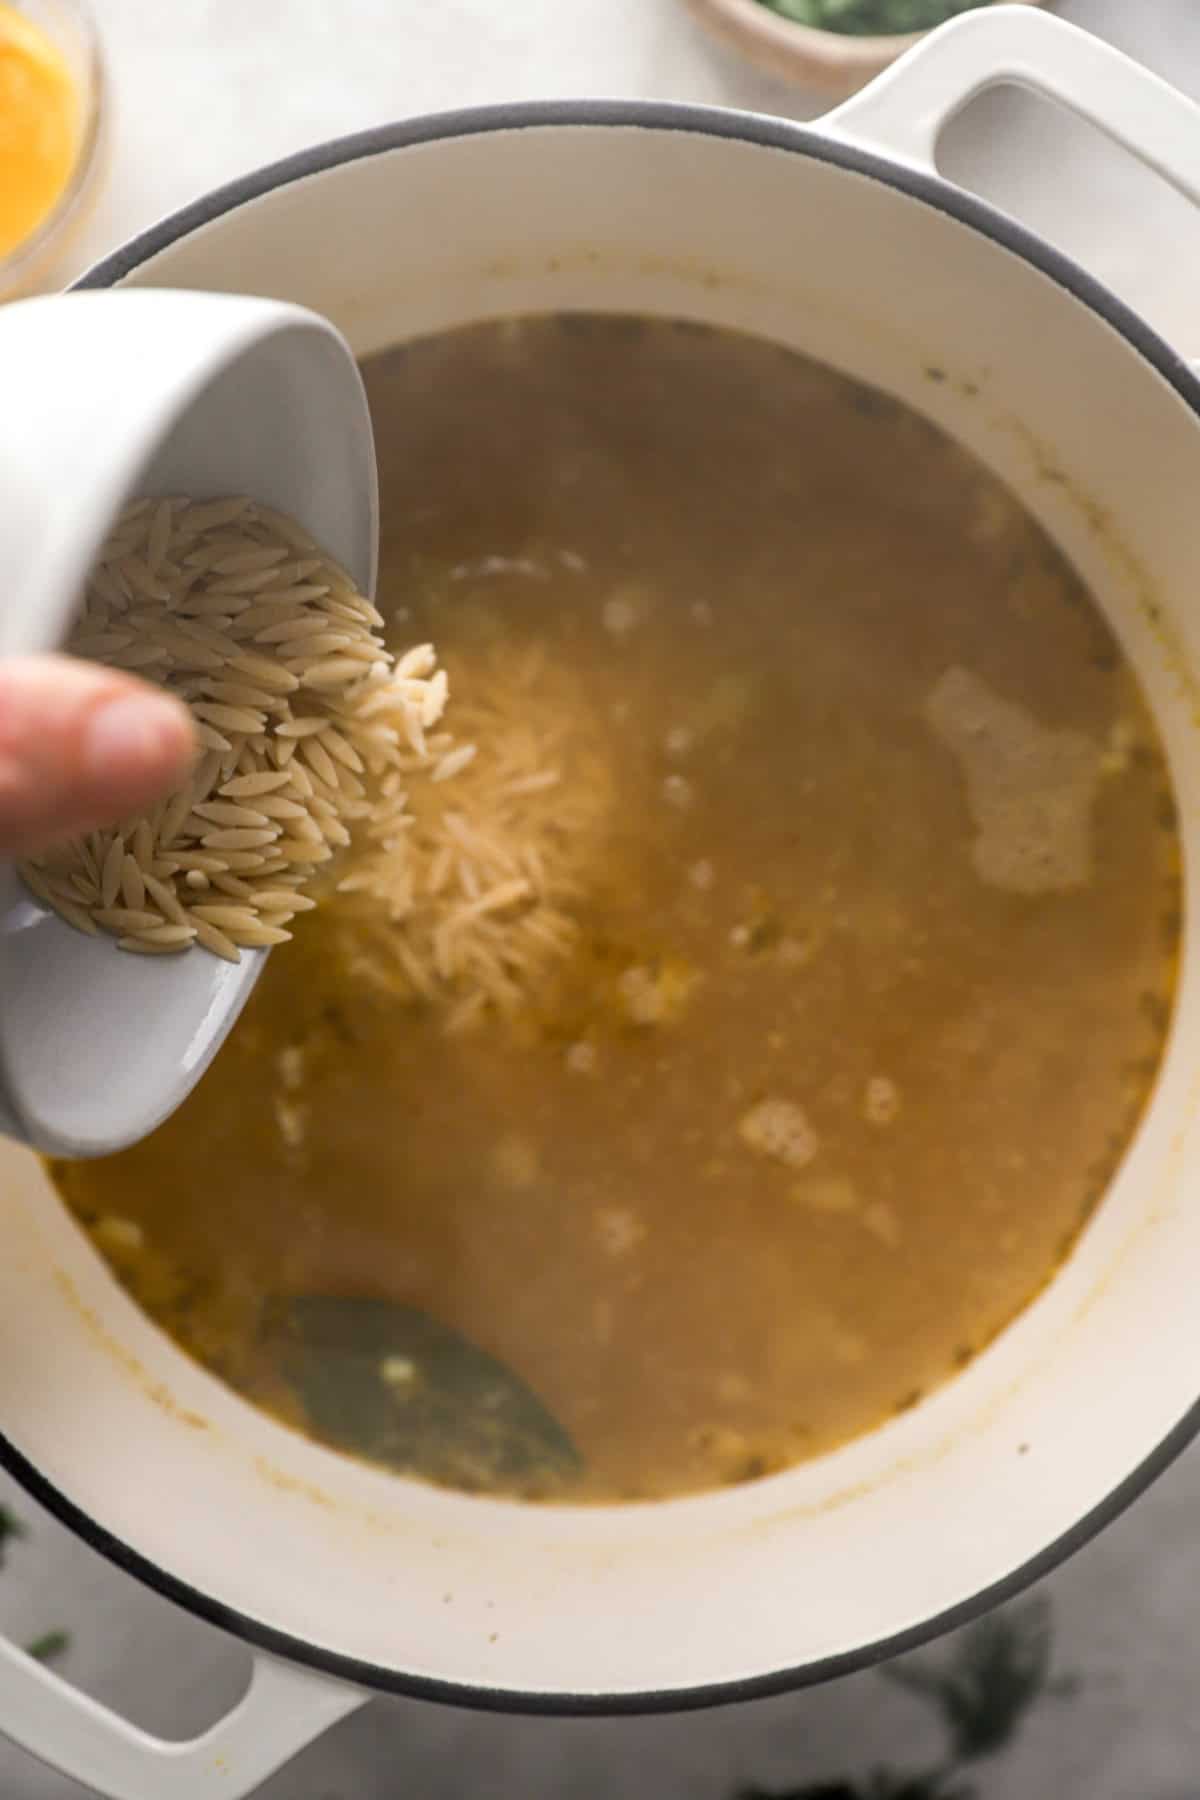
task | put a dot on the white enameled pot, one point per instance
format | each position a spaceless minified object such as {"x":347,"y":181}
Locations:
{"x":842,"y":241}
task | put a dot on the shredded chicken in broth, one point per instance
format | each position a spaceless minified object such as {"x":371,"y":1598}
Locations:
{"x":778,"y":984}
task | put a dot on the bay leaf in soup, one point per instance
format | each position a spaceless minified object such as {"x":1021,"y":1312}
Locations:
{"x":391,"y":1384}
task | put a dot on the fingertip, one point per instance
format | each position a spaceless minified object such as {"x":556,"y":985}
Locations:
{"x":134,"y":745}
{"x":80,"y":746}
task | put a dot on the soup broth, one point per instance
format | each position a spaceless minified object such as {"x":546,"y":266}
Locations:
{"x":852,"y":990}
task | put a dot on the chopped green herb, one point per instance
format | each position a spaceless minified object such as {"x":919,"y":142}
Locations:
{"x":52,"y":1643}
{"x":870,"y":18}
{"x":10,"y":1528}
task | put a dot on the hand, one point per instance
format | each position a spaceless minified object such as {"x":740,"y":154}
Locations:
{"x":82,"y":746}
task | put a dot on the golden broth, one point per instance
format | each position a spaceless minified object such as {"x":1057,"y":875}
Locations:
{"x":877,"y":919}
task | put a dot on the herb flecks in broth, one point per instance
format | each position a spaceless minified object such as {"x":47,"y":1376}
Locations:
{"x":798,"y":1110}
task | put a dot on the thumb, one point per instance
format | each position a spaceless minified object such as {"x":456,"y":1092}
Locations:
{"x":82,"y":746}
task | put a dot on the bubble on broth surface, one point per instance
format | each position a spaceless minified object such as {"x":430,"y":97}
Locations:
{"x":781,"y":1130}
{"x":1030,"y":787}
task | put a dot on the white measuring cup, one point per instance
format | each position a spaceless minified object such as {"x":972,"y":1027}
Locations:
{"x":107,"y":396}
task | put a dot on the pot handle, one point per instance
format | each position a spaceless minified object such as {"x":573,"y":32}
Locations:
{"x":904,"y":112}
{"x":284,"y":1708}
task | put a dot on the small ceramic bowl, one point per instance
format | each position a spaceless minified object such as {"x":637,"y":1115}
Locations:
{"x":106,"y":397}
{"x":70,"y":28}
{"x":833,"y":61}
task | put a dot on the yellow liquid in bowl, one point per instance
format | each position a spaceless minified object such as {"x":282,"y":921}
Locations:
{"x":39,"y":127}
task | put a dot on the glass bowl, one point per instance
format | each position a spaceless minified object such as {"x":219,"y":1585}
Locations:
{"x":70,"y":27}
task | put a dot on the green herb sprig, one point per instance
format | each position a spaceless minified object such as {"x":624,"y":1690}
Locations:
{"x":997,"y":1671}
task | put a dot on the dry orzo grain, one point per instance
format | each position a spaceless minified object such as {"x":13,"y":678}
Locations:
{"x":463,"y":885}
{"x":297,"y":705}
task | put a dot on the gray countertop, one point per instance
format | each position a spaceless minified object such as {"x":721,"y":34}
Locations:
{"x":205,"y":89}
